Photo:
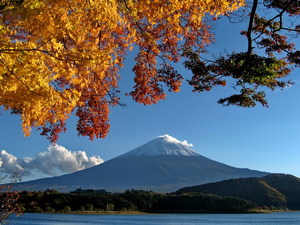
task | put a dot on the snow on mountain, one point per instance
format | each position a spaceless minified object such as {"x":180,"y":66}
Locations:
{"x":162,"y":145}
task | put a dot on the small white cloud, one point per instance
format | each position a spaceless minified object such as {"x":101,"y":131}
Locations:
{"x":174,"y":140}
{"x":56,"y":160}
{"x":184,"y":142}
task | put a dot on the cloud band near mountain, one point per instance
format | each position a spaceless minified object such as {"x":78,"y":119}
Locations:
{"x":56,"y":160}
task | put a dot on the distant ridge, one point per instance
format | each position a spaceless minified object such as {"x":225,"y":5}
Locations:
{"x":163,"y":164}
{"x":278,"y":190}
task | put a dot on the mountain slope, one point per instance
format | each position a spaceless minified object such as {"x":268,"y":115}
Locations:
{"x":278,"y":190}
{"x":163,"y":164}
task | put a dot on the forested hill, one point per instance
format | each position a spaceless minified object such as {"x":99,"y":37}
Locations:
{"x":93,"y":201}
{"x":278,"y":190}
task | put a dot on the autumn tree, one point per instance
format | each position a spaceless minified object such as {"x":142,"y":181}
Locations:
{"x":63,"y":57}
{"x":269,"y":57}
{"x":9,"y":198}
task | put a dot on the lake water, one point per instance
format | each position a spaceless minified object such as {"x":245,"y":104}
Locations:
{"x":282,"y":218}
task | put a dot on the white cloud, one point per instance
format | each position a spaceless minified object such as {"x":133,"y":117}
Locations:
{"x":184,"y":142}
{"x":9,"y":163}
{"x":174,"y":140}
{"x":56,"y":160}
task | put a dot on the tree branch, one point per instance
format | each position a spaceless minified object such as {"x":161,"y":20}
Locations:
{"x":250,"y":26}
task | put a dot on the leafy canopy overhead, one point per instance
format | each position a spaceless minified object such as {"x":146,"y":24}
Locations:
{"x":269,"y":56}
{"x":63,"y":57}
{"x":59,"y":57}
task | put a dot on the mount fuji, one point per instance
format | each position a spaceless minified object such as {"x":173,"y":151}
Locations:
{"x":164,"y":164}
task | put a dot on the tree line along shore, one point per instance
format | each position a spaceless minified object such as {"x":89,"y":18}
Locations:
{"x":132,"y":202}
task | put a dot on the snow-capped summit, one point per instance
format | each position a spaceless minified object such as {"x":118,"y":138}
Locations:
{"x":162,"y":145}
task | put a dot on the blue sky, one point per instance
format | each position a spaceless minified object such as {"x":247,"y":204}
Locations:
{"x":266,"y":139}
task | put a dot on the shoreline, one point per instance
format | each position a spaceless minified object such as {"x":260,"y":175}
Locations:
{"x":255,"y":211}
{"x":109,"y":213}
{"x":97,"y":213}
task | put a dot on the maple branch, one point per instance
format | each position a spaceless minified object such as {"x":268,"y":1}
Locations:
{"x":112,"y":96}
{"x":13,"y":74}
{"x":264,"y":27}
{"x":43,"y":51}
{"x":272,"y":20}
{"x":31,"y":49}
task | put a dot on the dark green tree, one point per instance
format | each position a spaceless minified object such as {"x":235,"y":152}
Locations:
{"x":269,"y":57}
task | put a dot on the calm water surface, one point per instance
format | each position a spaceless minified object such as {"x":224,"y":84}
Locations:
{"x":282,"y":218}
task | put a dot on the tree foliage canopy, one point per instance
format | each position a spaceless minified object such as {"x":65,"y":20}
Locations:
{"x":63,"y":57}
{"x":270,"y":54}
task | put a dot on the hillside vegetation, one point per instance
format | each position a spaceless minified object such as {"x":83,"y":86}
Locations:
{"x":91,"y":201}
{"x":274,"y":190}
